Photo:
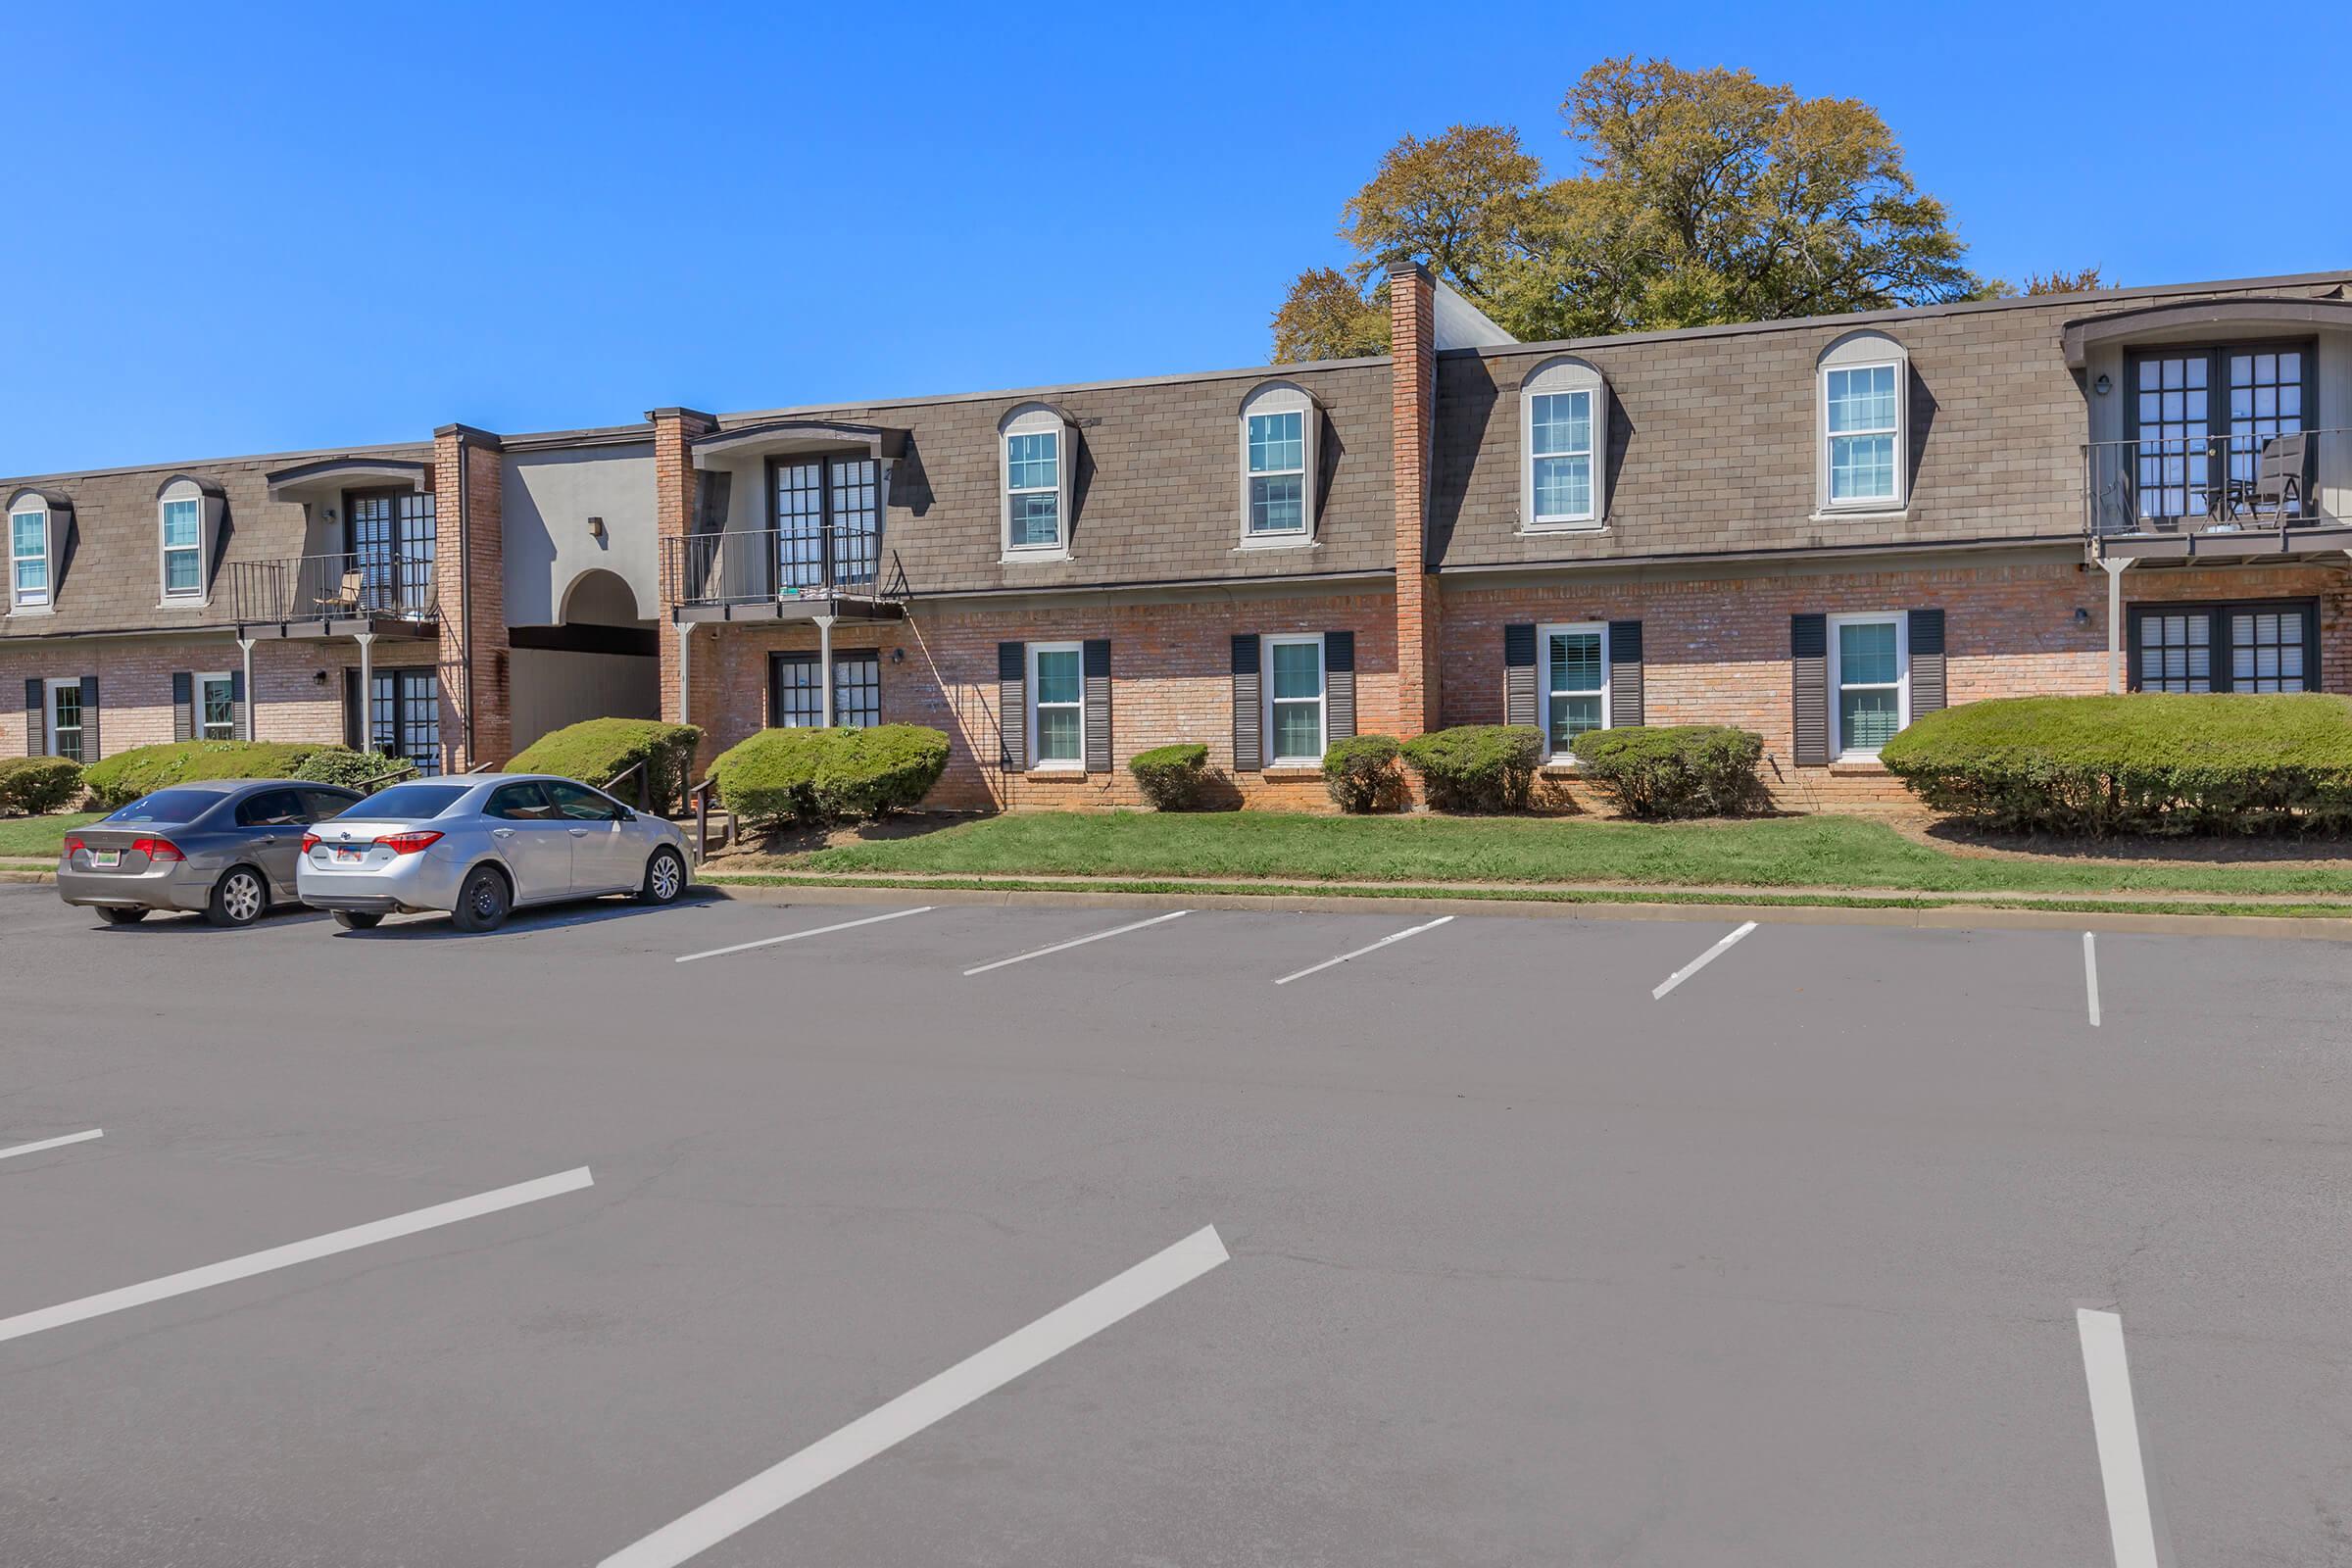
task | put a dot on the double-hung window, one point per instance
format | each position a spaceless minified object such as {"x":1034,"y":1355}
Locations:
{"x":1576,"y":683}
{"x":1295,"y":693}
{"x":1033,"y":490}
{"x":29,"y":559}
{"x":1057,"y":705}
{"x":1870,"y":690}
{"x":184,"y":549}
{"x":1861,"y":420}
{"x":64,"y":720}
{"x":1277,"y":472}
{"x":216,"y":707}
{"x":1560,"y":446}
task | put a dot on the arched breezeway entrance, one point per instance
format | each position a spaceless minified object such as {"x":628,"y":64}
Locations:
{"x":601,"y":659}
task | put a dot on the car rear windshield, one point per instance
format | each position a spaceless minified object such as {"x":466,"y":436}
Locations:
{"x":409,"y":801}
{"x":169,"y":806}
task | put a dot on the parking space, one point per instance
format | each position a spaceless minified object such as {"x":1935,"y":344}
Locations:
{"x":1778,"y":1263}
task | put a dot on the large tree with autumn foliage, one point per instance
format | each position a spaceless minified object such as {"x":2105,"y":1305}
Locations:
{"x":1704,"y":196}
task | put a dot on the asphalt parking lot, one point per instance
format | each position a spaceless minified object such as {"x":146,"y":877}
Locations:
{"x":1519,"y":1254}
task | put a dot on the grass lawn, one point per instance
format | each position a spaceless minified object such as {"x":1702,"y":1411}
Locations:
{"x":40,"y":835}
{"x":1829,"y":852}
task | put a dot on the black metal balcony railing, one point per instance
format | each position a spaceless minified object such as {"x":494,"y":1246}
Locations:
{"x":2203,"y":484}
{"x":339,"y":587}
{"x":766,"y":564}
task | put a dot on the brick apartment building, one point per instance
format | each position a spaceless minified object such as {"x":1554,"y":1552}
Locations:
{"x":1814,"y":529}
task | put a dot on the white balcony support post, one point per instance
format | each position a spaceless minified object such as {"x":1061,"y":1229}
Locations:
{"x":2116,"y":566}
{"x":251,"y":698}
{"x":824,"y":662}
{"x":685,"y":671}
{"x":366,"y":642}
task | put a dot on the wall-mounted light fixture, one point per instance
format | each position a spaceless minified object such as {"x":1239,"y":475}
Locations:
{"x":596,"y":529}
{"x":2102,"y":386}
{"x":897,"y":655}
{"x":318,"y":677}
{"x":2081,"y":617}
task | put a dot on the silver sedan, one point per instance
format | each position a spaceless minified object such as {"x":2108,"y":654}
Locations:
{"x":226,"y":847}
{"x":484,"y":844}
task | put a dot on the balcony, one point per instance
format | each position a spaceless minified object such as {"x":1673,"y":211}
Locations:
{"x":336,"y":596}
{"x":2217,"y":497}
{"x":779,"y":574}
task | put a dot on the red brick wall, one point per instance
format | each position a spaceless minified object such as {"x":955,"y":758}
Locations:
{"x":1412,"y":405}
{"x":674,"y":431}
{"x":471,"y":574}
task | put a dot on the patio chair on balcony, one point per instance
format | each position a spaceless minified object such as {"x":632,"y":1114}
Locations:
{"x":2276,"y":488}
{"x":345,"y":601}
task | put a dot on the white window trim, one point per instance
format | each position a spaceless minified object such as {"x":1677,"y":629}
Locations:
{"x":1279,"y":397}
{"x":1266,"y":646}
{"x":1554,"y":378}
{"x":72,"y":683}
{"x":1071,"y":764}
{"x":1036,"y":418}
{"x":47,"y":557}
{"x":1839,"y":751}
{"x":1544,"y":693}
{"x":201,"y":594}
{"x":1863,"y":351}
{"x":196,"y":720}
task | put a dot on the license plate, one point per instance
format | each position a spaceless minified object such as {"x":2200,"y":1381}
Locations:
{"x":350,"y":856}
{"x":106,"y":860}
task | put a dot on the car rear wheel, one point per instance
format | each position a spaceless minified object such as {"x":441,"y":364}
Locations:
{"x":483,"y":901}
{"x":122,"y":916}
{"x":665,"y":878}
{"x":358,"y":919}
{"x":238,"y":898}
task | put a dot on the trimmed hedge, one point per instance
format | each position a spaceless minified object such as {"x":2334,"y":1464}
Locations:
{"x":829,"y":775}
{"x":1673,"y":770}
{"x":1477,"y":768}
{"x":124,"y":777}
{"x":337,"y":765}
{"x":36,"y":784}
{"x":1361,"y":772}
{"x":595,"y":750}
{"x":1171,"y":777}
{"x":2142,"y":764}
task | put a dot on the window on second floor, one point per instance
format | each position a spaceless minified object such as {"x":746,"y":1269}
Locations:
{"x":187,"y":517}
{"x":1278,"y":465}
{"x":1038,"y":453}
{"x":29,"y":558}
{"x":1564,"y":419}
{"x":1864,"y":432}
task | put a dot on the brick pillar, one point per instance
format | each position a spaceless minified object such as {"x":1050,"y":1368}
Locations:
{"x":675,"y":492}
{"x":469,"y":571}
{"x":1413,"y":420}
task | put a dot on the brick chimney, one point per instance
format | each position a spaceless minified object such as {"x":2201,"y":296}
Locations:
{"x":1413,"y":420}
{"x":675,"y":494}
{"x":470,"y":579}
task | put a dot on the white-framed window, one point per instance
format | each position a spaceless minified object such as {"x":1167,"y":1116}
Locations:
{"x":1575,"y":673}
{"x":29,"y":558}
{"x":1056,"y":705}
{"x":1037,"y":450}
{"x":65,"y":720}
{"x":1864,"y":396}
{"x":1278,"y":465}
{"x":1564,"y":419}
{"x":184,"y":549}
{"x":1870,"y":683}
{"x":1294,"y":699}
{"x":216,"y":707}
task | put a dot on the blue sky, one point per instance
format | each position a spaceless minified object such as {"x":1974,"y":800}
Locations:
{"x":250,"y":230}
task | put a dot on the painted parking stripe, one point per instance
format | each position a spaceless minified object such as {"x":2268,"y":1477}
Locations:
{"x":795,"y":936}
{"x":2090,"y":974}
{"x":2132,"y":1522}
{"x":1700,"y":962}
{"x":1318,"y":968}
{"x":1077,"y":942}
{"x":293,"y":1252}
{"x":52,"y":1143}
{"x":880,"y":1429}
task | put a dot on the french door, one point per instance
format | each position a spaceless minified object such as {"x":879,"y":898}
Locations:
{"x":404,"y":716}
{"x":2200,"y":417}
{"x":2259,"y":646}
{"x":828,"y":521}
{"x":390,"y":534}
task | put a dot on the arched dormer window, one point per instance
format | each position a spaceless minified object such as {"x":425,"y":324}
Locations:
{"x":35,"y":544}
{"x":1564,"y":474}
{"x":187,"y":524}
{"x":1864,"y":403}
{"x":1278,"y":436}
{"x":1038,"y":450}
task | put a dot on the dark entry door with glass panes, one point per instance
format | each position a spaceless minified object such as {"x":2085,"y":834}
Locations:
{"x":391,"y":537}
{"x":404,"y":716}
{"x":828,"y":523}
{"x":2263,"y":646}
{"x":2200,"y":418}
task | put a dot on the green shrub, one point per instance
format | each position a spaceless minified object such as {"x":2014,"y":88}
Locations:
{"x":36,"y":784}
{"x":124,"y":777}
{"x":2142,"y":764}
{"x":339,"y":764}
{"x":1361,"y":773}
{"x":597,"y":749}
{"x":1171,"y":777}
{"x":1477,"y":768}
{"x":829,"y":775}
{"x":1674,"y":771}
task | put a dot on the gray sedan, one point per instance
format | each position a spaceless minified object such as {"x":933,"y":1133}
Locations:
{"x":482,"y":845}
{"x":227,"y":847}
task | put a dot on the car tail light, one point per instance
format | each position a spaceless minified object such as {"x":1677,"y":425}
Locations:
{"x":158,"y":850}
{"x":309,"y":842}
{"x":409,"y":843}
{"x":74,"y":842}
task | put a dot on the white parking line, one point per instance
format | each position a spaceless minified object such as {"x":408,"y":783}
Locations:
{"x":2131,"y":1523}
{"x":1318,"y":968}
{"x":910,"y":1412}
{"x":1076,"y":942}
{"x":52,"y":1143}
{"x":1700,"y":962}
{"x":276,"y":1257}
{"x":795,"y":936}
{"x":2091,"y":975}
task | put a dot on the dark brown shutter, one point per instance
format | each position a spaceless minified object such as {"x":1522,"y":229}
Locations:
{"x":237,"y":724}
{"x":1249,"y":722}
{"x":1625,"y":674}
{"x":36,"y":716}
{"x":1809,"y":690}
{"x":90,"y":743}
{"x":1519,"y":676}
{"x":183,"y":706}
{"x":1339,"y":685}
{"x":1097,"y":664}
{"x":354,"y":728}
{"x":1012,"y":707}
{"x":1928,"y":691}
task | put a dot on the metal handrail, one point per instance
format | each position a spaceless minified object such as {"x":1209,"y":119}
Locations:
{"x":368,"y":786}
{"x":611,"y":785}
{"x":344,"y":586}
{"x":2157,"y":484}
{"x":700,"y":794}
{"x":754,"y":566}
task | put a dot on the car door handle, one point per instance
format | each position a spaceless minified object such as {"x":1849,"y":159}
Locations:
{"x":579,"y":832}
{"x":502,"y":832}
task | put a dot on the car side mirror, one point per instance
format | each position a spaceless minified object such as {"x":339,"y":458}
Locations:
{"x":625,"y":815}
